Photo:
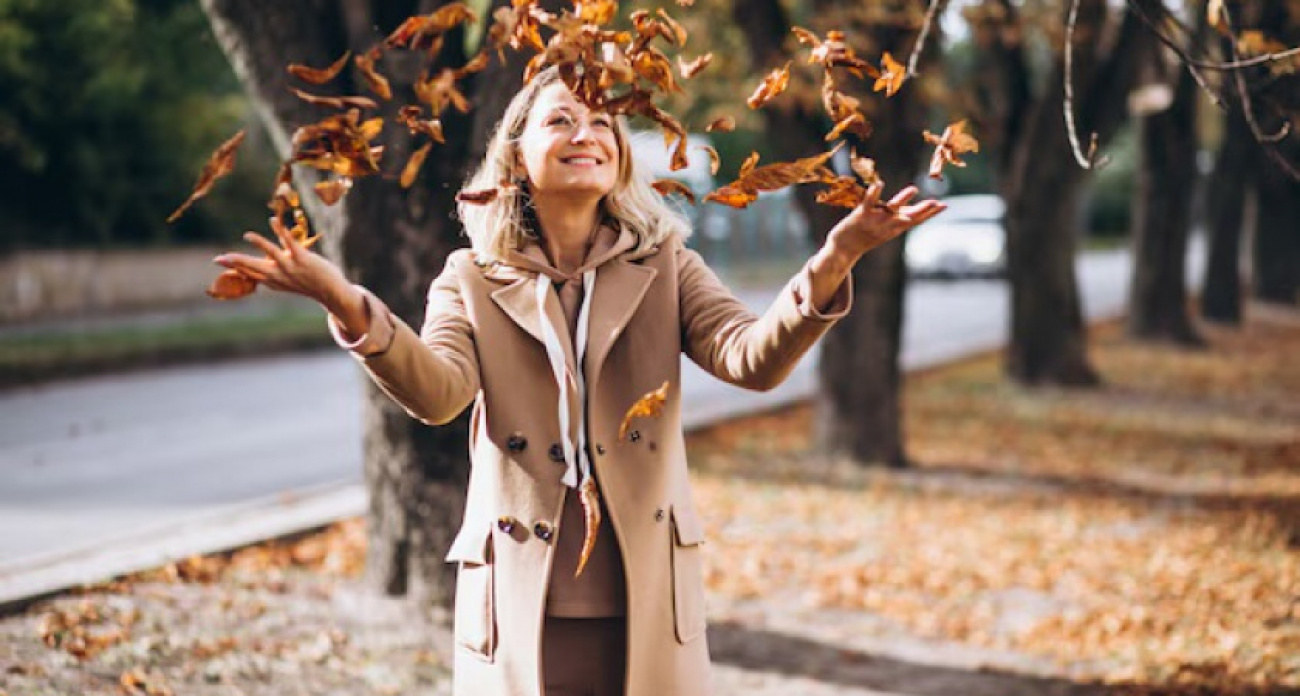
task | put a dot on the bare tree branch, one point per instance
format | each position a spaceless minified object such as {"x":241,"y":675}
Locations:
{"x":1090,"y":161}
{"x":1247,"y":105}
{"x":1193,"y":65}
{"x":936,"y":6}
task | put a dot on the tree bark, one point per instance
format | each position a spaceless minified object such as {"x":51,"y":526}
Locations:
{"x":392,"y":241}
{"x":1162,"y":219}
{"x":858,"y":400}
{"x":1042,"y":186}
{"x":1277,"y":237}
{"x":1228,"y":188}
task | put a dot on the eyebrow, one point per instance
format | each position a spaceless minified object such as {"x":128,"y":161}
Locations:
{"x":560,"y":108}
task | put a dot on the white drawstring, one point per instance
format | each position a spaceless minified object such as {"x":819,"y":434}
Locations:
{"x":577,"y":465}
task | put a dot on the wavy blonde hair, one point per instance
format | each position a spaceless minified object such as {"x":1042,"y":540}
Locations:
{"x":504,"y":224}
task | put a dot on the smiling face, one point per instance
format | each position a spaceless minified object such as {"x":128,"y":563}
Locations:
{"x":567,"y":149}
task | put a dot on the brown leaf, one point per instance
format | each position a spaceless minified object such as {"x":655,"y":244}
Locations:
{"x":482,"y":197}
{"x":693,"y":68}
{"x":856,"y":123}
{"x":833,"y":52}
{"x":231,"y":285}
{"x":331,"y":192}
{"x":949,"y":147}
{"x":336,"y":102}
{"x":425,"y":31}
{"x":590,"y":498}
{"x":748,"y":165}
{"x":843,"y":192}
{"x":890,"y":76}
{"x":865,"y":168}
{"x":648,"y":406}
{"x":714,"y":160}
{"x":666,"y":187}
{"x":376,"y":82}
{"x":732,"y":196}
{"x":317,"y":76}
{"x":773,"y":84}
{"x":219,"y":164}
{"x":724,"y":124}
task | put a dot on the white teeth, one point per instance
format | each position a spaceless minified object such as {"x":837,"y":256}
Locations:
{"x":579,"y":160}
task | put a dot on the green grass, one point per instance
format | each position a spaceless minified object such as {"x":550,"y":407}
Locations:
{"x":36,"y":357}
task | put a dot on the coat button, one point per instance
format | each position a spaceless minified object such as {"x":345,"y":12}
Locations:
{"x":634,"y":436}
{"x":556,"y":453}
{"x":543,"y":530}
{"x":600,"y":449}
{"x":506,"y":523}
{"x":516,"y":442}
{"x":659,"y":515}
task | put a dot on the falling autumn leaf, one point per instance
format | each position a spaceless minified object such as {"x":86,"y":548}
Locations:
{"x":724,"y":124}
{"x":482,"y":197}
{"x":949,"y":147}
{"x":317,"y":76}
{"x":693,"y":68}
{"x":773,"y":84}
{"x":219,"y":164}
{"x":890,"y":76}
{"x":666,"y":187}
{"x":715,"y":161}
{"x":590,"y":498}
{"x":336,"y":102}
{"x":231,"y":285}
{"x":330,"y":192}
{"x":413,"y":165}
{"x":647,"y":406}
{"x":376,"y":82}
{"x":855,"y":123}
{"x":744,"y":190}
{"x":834,"y":52}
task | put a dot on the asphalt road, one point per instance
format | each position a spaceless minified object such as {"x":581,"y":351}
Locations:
{"x":87,"y":462}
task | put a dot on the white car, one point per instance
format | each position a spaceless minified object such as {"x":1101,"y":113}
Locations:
{"x":966,"y":240}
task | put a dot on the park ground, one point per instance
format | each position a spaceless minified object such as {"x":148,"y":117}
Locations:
{"x":1143,"y":537}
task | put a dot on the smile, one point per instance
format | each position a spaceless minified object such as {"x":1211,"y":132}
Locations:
{"x":581,"y":160}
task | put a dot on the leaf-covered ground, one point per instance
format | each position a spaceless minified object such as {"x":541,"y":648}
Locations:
{"x":1141,"y":537}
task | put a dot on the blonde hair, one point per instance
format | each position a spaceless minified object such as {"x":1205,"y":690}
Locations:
{"x":503,"y":225}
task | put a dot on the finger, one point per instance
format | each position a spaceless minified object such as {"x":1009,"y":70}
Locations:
{"x":918,"y":214}
{"x":267,"y":247}
{"x":286,"y":240}
{"x":902,"y":198}
{"x":873,"y":195}
{"x":247,"y":264}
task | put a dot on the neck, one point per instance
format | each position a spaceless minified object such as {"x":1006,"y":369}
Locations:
{"x":568,"y":229}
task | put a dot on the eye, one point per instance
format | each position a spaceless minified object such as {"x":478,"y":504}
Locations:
{"x":559,"y":120}
{"x":602,"y":122}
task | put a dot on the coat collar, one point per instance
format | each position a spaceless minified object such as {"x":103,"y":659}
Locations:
{"x":621,"y":285}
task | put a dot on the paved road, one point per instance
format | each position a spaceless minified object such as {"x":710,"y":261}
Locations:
{"x":87,"y":462}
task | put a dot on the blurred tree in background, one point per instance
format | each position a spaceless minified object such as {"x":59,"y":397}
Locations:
{"x":108,"y":111}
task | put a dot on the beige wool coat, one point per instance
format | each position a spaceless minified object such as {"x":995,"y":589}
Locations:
{"x":482,"y":343}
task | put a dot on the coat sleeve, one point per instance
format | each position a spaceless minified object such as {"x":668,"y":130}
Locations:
{"x":727,"y":340}
{"x":434,"y":375}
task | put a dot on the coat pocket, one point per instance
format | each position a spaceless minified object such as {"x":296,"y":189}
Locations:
{"x":475,"y":623}
{"x":688,"y":575}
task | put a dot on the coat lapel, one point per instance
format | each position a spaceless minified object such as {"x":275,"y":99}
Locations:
{"x":620,"y":288}
{"x":520,"y":304}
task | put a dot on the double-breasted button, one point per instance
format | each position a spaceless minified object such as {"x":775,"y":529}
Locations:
{"x":516,"y":442}
{"x":634,"y":436}
{"x":659,"y":515}
{"x":543,"y":530}
{"x":600,"y":449}
{"x":507,"y":523}
{"x":556,"y":453}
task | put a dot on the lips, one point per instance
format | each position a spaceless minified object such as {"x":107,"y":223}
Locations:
{"x":581,"y":160}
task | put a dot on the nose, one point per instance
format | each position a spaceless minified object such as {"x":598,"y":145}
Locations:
{"x":582,"y":133}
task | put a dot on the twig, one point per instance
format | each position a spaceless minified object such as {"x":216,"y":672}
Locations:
{"x":1090,"y":161}
{"x":930,"y":14}
{"x":1246,"y":102}
{"x":1193,"y":65}
{"x":1237,"y":64}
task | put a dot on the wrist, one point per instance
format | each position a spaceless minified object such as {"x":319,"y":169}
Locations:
{"x":832,"y":260}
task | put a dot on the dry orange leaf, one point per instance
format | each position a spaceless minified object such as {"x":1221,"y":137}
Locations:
{"x":833,"y":52}
{"x":773,"y":84}
{"x":478,"y":197}
{"x":376,"y":82}
{"x":724,"y":124}
{"x":218,"y":165}
{"x":231,"y":285}
{"x":890,"y":76}
{"x":647,"y":406}
{"x":714,"y":160}
{"x":693,"y":68}
{"x":331,"y":192}
{"x":772,"y":177}
{"x":666,"y":187}
{"x":413,"y":165}
{"x":949,"y":147}
{"x":318,"y":76}
{"x":590,"y":499}
{"x":336,"y":102}
{"x":856,"y":123}
{"x":426,"y":31}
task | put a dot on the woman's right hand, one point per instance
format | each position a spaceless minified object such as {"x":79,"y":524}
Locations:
{"x":291,"y":267}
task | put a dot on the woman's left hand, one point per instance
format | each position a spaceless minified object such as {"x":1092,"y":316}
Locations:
{"x":873,"y":223}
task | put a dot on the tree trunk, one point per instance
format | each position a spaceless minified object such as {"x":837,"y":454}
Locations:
{"x":858,"y":399}
{"x":1162,"y":219}
{"x":1277,"y":238}
{"x":1226,"y":216}
{"x":390,"y":240}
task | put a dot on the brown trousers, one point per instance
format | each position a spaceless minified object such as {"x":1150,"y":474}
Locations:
{"x":584,"y":657}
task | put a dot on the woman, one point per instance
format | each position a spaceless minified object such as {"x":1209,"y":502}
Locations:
{"x":582,"y":263}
